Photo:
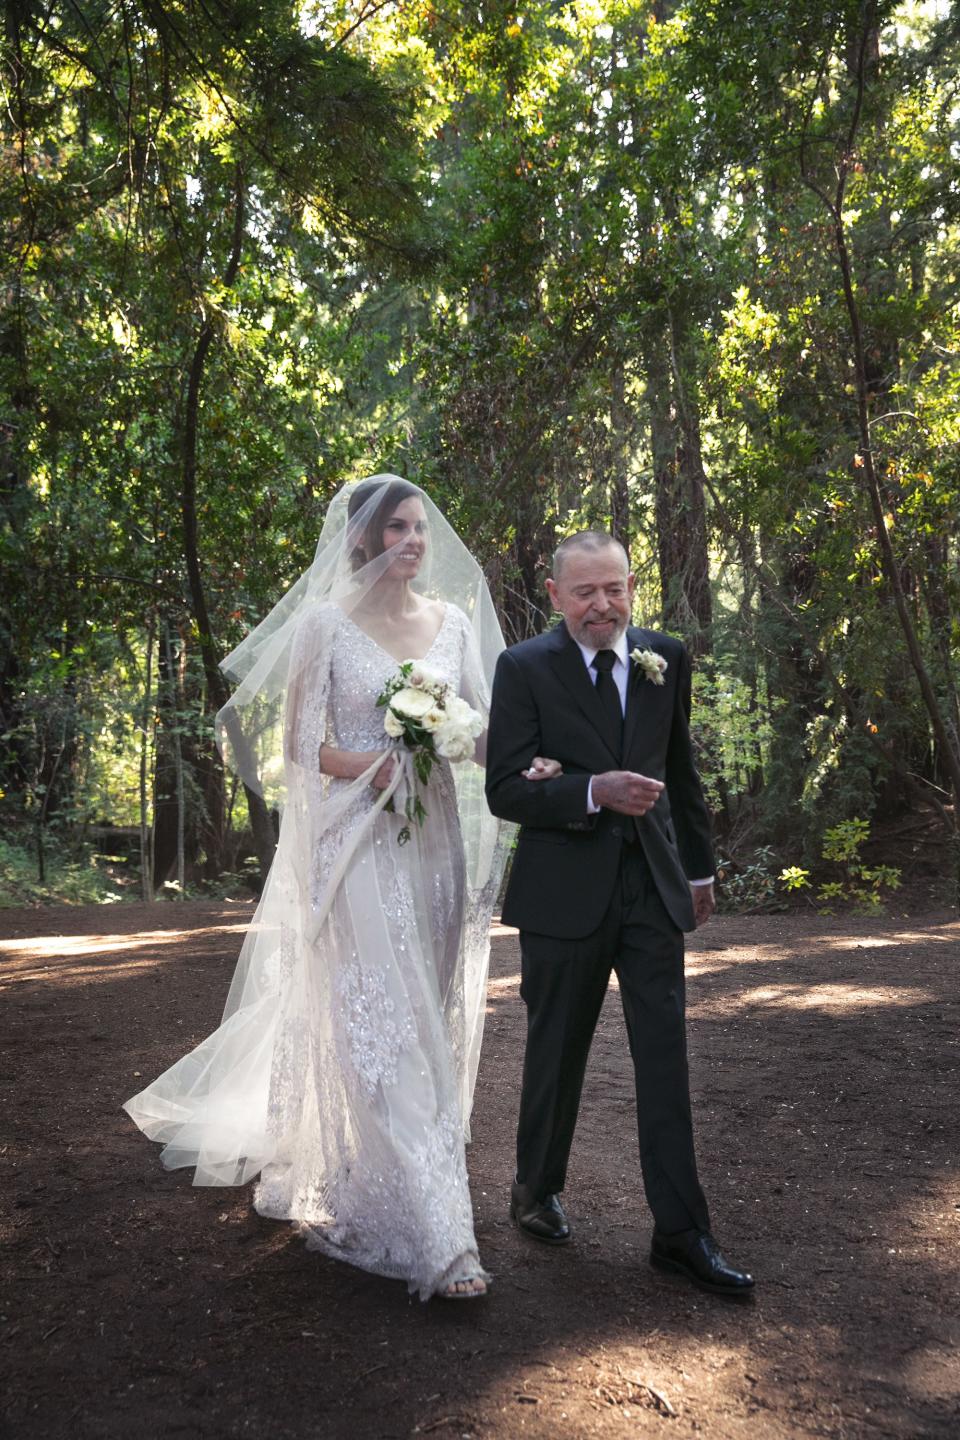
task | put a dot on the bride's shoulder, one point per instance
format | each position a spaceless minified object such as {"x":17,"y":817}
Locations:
{"x":318,"y":618}
{"x":436,"y":609}
{"x":325,"y":612}
{"x":453,"y":615}
{"x":440,"y":615}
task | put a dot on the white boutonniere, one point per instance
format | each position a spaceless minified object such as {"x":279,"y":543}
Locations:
{"x":652,"y":665}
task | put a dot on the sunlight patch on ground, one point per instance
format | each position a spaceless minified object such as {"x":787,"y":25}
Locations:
{"x":714,"y":961}
{"x":67,"y":974}
{"x":46,"y":957}
{"x":932,"y":1370}
{"x":697,"y":965}
{"x":945,"y":934}
{"x":626,"y":1377}
{"x":824,"y":997}
{"x":37,"y":947}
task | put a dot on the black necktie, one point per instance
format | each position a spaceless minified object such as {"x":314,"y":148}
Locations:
{"x":603,"y":662}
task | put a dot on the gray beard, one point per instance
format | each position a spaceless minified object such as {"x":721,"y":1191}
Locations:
{"x":589,"y":641}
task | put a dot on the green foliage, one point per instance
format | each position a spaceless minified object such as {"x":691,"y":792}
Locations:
{"x":859,"y":884}
{"x":564,"y":266}
{"x":70,"y":879}
{"x":842,"y":843}
{"x":733,"y":730}
{"x":752,"y":886}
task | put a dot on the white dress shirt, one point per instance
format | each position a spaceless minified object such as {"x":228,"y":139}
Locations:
{"x":621,"y":676}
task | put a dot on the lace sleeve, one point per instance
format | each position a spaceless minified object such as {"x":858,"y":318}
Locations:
{"x":308,"y":690}
{"x":473,"y":682}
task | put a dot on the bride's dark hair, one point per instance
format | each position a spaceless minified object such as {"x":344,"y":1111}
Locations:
{"x":391,"y":494}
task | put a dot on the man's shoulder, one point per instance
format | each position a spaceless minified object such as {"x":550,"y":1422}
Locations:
{"x":538,"y":645}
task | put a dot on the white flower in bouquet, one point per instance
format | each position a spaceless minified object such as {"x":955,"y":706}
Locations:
{"x":432,"y":720}
{"x":411,"y":703}
{"x":422,"y":677}
{"x":453,"y":744}
{"x":461,"y":725}
{"x":393,"y":725}
{"x":429,"y":717}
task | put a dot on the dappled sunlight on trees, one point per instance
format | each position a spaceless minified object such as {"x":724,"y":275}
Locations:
{"x":685,"y":271}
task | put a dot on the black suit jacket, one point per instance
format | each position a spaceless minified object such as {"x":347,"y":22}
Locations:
{"x":566,"y":862}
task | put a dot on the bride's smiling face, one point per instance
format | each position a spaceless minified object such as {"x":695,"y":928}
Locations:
{"x":405,"y":534}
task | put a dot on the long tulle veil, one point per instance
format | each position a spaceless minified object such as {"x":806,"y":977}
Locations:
{"x":211,"y":1108}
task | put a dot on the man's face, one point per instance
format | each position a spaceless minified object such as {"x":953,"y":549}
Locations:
{"x":594,"y":594}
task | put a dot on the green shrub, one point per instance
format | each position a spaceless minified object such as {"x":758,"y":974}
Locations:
{"x":751,"y":886}
{"x":71,"y":878}
{"x":856,"y":884}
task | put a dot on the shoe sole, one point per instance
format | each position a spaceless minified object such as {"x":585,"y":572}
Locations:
{"x":727,"y":1292}
{"x":532,"y":1234}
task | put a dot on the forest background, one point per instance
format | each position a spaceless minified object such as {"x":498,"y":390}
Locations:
{"x":685,"y":271}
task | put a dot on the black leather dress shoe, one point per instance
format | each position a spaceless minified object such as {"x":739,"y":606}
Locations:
{"x":543,"y":1219}
{"x":696,"y":1255}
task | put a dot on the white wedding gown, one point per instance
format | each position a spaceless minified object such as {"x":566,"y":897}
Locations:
{"x":343,"y":1070}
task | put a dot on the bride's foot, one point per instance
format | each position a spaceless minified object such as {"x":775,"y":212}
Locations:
{"x":466,"y":1289}
{"x":466,"y":1281}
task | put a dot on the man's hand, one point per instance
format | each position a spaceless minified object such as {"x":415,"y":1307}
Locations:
{"x":626,"y":791}
{"x":384,"y":775}
{"x":704,"y":903}
{"x":541,"y":769}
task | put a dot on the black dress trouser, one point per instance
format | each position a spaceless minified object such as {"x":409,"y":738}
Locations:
{"x":563,"y":985}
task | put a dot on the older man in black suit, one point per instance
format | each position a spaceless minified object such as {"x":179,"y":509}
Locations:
{"x":613,"y":864}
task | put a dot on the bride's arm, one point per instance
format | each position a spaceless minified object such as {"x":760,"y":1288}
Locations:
{"x":351,"y":764}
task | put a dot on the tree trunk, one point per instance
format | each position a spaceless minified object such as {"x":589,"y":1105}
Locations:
{"x":213,"y":834}
{"x":691,"y":489}
{"x":174,"y":840}
{"x":621,"y":427}
{"x":146,"y":860}
{"x":679,"y":505}
{"x":948,"y":753}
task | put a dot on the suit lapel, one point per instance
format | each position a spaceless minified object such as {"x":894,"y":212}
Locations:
{"x":575,"y":678}
{"x":637,"y":686}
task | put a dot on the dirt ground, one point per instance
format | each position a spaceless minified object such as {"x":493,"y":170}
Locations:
{"x":825,"y":1060}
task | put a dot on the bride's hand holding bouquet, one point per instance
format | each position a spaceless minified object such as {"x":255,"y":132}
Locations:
{"x":426,"y":715}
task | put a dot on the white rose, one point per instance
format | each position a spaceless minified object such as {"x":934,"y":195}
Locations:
{"x":412,"y":703}
{"x":453,"y":743}
{"x":392,"y":725}
{"x":461,"y":714}
{"x":421,"y":677}
{"x":433,"y":720}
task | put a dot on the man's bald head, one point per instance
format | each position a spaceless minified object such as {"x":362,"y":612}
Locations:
{"x":586,"y":540}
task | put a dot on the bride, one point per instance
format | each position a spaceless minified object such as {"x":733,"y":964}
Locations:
{"x":343,"y":1070}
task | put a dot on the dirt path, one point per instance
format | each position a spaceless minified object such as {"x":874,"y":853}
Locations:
{"x":825,"y":1058}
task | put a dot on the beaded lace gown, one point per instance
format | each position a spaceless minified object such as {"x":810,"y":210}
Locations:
{"x":343,"y":1070}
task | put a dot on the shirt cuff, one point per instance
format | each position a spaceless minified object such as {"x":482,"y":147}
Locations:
{"x":592,"y":808}
{"x":708,"y":881}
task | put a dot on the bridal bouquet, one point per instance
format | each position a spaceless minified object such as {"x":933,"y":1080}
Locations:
{"x":432,"y":720}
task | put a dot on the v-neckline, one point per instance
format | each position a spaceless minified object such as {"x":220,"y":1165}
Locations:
{"x":417,"y":659}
